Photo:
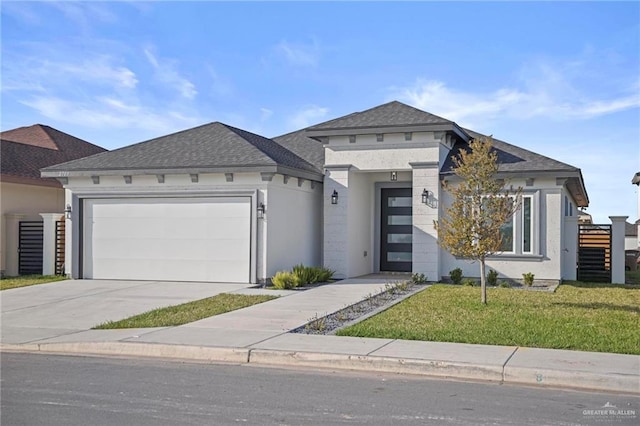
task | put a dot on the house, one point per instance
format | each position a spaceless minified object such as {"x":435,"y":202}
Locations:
{"x":636,"y":181}
{"x":631,"y":235}
{"x":24,"y":195}
{"x":358,"y":194}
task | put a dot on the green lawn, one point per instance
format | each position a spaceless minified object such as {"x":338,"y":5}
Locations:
{"x":578,"y":316}
{"x":187,"y":312}
{"x":27,"y":280}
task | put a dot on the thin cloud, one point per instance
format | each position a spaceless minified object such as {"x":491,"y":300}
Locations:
{"x":166,"y":73}
{"x":299,"y":54}
{"x":308,"y":116}
{"x":265,"y":114}
{"x":37,"y":73}
{"x":109,"y":112}
{"x":470,"y":106}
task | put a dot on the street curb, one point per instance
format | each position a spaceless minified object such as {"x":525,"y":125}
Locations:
{"x":584,"y":380}
{"x":529,"y":376}
{"x":146,"y":350}
{"x":440,"y":369}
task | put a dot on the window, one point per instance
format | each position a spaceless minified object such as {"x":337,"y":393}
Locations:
{"x":506,"y":232}
{"x":526,"y":224}
{"x":518,"y":235}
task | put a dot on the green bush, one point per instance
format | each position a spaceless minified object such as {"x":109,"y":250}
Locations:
{"x":528,"y":279}
{"x":285,"y":280}
{"x":418,"y":278}
{"x":312,"y":274}
{"x":492,"y":277}
{"x":306,"y":274}
{"x":505,"y":284}
{"x":456,"y":275}
{"x":325,"y":275}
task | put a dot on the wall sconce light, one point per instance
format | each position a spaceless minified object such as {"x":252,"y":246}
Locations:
{"x":261,"y":210}
{"x":67,"y":211}
{"x":394,"y":176}
{"x":425,"y":196}
{"x":334,"y":197}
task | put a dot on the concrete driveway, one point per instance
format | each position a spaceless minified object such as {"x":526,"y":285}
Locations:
{"x":67,"y":307}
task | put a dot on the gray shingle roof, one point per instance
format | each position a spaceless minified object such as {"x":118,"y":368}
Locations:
{"x":511,"y":158}
{"x":391,"y":114}
{"x":514,"y":160}
{"x":308,"y":148}
{"x":210,"y":146}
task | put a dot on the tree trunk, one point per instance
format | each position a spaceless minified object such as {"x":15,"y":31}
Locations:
{"x":483,"y":284}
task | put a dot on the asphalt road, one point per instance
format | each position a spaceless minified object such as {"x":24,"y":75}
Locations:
{"x":67,"y":390}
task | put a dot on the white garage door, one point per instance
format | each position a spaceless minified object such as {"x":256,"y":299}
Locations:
{"x":168,"y":239}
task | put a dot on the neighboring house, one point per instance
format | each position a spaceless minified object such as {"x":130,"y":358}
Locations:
{"x":636,"y":181}
{"x":631,"y":235}
{"x":24,"y":194}
{"x":216,"y":203}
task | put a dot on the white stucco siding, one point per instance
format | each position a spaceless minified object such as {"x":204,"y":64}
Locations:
{"x":336,"y":221}
{"x":426,"y":252}
{"x":396,"y":158}
{"x":360,"y":224}
{"x":293,"y":223}
{"x":546,"y":261}
{"x":389,"y":140}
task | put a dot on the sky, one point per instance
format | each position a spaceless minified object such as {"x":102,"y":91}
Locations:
{"x":558,"y":78}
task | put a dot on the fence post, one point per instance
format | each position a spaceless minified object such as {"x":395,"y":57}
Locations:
{"x":49,"y":242}
{"x":617,"y":248}
{"x":570,"y":249}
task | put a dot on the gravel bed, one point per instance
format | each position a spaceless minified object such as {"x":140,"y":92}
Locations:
{"x":371,"y":305}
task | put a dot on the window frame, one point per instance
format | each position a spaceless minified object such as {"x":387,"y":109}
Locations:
{"x":518,"y":220}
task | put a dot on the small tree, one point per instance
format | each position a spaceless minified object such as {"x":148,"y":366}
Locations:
{"x":470,"y":227}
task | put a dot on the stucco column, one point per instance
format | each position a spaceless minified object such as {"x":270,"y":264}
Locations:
{"x":617,"y":248}
{"x":336,"y":220}
{"x":570,"y":249}
{"x":12,"y":221}
{"x":49,"y":242}
{"x":426,"y":252}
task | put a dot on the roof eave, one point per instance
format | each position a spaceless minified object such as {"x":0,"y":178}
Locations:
{"x":291,"y":171}
{"x":575,"y":182}
{"x":347,"y":131}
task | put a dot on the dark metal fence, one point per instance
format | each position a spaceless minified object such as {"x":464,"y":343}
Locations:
{"x":594,"y":253}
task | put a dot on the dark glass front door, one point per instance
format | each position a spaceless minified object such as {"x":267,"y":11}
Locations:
{"x":395,"y":230}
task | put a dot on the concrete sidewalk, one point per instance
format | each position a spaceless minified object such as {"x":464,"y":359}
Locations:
{"x":259,"y":335}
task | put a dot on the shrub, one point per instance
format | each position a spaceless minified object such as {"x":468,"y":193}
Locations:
{"x":325,"y":275}
{"x":492,"y":277}
{"x":406,"y":285}
{"x":305,"y":274}
{"x":528,"y":279}
{"x":285,"y":280}
{"x":468,"y":282}
{"x":505,"y":284}
{"x":312,"y":274}
{"x":418,"y":278}
{"x":456,"y":275}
